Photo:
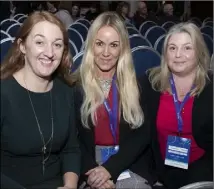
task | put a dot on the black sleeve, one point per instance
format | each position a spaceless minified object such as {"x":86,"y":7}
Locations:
{"x":129,"y":150}
{"x":134,"y":145}
{"x":71,"y":153}
{"x":204,"y":138}
{"x":88,"y":162}
{"x":6,"y":182}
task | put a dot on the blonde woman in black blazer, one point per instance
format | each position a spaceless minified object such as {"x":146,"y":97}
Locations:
{"x":185,"y":61}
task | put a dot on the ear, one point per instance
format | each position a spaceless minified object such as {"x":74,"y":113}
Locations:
{"x":21,"y":45}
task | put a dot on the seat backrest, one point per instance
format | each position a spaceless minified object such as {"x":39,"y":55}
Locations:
{"x":158,"y":46}
{"x":6,"y":23}
{"x":81,"y":28}
{"x":4,"y":34}
{"x":199,"y":185}
{"x":154,"y":33}
{"x":77,"y":60}
{"x":144,"y":58}
{"x":5,"y":45}
{"x":207,"y":30}
{"x":13,"y":29}
{"x":207,"y":19}
{"x":196,"y":21}
{"x":145,"y":26}
{"x":138,"y":40}
{"x":84,"y":21}
{"x":208,"y":23}
{"x":73,"y":48}
{"x":132,"y":30}
{"x":76,"y":37}
{"x":167,"y":25}
{"x":22,"y":19}
{"x":17,"y":16}
{"x":209,"y":42}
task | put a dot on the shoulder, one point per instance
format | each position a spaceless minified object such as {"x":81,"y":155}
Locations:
{"x":63,"y":86}
{"x":209,"y":83}
{"x":143,"y":81}
{"x":9,"y":91}
{"x":7,"y":85}
{"x":78,"y":94}
{"x":63,"y":90}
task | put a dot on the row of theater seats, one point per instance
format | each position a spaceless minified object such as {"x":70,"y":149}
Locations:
{"x":149,"y":33}
{"x":146,"y":43}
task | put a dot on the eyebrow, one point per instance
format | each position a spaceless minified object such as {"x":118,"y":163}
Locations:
{"x":111,"y":42}
{"x":183,"y":44}
{"x":40,"y":35}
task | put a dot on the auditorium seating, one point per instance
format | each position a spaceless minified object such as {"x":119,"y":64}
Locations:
{"x":150,"y":35}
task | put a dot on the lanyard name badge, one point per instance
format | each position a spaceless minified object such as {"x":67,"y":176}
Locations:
{"x":113,"y":114}
{"x":178,"y":148}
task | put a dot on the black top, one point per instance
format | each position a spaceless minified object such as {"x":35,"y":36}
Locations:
{"x":21,"y":144}
{"x":134,"y":152}
{"x":202,"y":130}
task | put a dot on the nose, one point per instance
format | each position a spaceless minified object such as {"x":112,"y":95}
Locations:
{"x":106,"y":51}
{"x":49,"y":52}
{"x":178,"y":52}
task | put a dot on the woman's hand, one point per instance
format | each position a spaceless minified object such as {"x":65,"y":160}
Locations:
{"x":107,"y":185}
{"x":97,"y":176}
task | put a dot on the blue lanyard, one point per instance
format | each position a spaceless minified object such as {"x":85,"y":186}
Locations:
{"x":113,"y":113}
{"x":178,"y":106}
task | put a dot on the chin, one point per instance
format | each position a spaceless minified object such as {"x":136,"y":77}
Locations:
{"x":46,"y":73}
{"x":106,"y":69}
{"x":179,"y":69}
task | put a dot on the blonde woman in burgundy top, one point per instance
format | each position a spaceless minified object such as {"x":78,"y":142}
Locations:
{"x":111,"y":120}
{"x":179,"y":96}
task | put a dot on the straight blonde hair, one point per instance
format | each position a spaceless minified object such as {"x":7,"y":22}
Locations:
{"x":126,"y":81}
{"x":159,"y":76}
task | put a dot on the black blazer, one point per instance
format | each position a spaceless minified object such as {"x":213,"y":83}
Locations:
{"x":202,"y":128}
{"x":134,"y":152}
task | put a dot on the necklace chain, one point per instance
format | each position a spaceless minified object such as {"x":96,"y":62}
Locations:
{"x":44,"y":147}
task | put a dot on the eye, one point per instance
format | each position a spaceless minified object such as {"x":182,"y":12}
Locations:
{"x":99,"y":43}
{"x":58,"y":45}
{"x":114,"y":45}
{"x":39,"y":42}
{"x":188,"y":48}
{"x":172,"y":48}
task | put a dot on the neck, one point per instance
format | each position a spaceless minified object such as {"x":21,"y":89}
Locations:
{"x":184,"y":83}
{"x":35,"y":83}
{"x":187,"y":77}
{"x":106,"y":75}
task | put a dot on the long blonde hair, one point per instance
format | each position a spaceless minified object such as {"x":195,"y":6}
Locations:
{"x":126,"y":79}
{"x":159,"y":76}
